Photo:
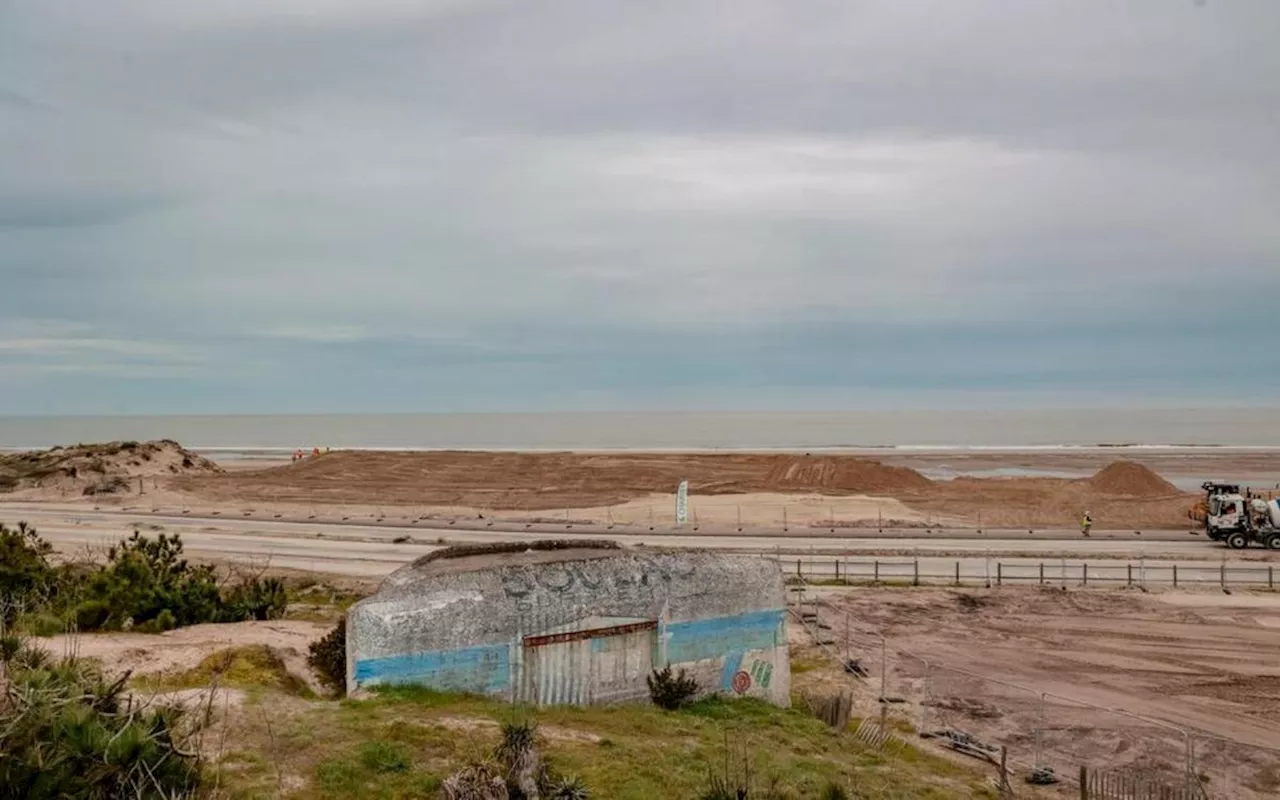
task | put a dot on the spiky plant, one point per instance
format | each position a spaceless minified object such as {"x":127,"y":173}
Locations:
{"x":518,"y":753}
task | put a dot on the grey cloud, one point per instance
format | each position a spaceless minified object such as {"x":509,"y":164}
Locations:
{"x":430,"y":178}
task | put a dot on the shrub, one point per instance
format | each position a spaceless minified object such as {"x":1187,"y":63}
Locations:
{"x":40,"y":623}
{"x":328,"y":657}
{"x":671,"y":691}
{"x":65,"y":731}
{"x":570,"y":788}
{"x":479,"y":781}
{"x":144,"y":577}
{"x":110,"y":485}
{"x":145,"y":584}
{"x":518,"y":754}
{"x":257,"y":598}
{"x":515,"y":771}
{"x":25,"y":574}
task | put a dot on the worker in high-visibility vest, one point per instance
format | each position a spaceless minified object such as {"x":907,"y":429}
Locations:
{"x":1086,"y":522}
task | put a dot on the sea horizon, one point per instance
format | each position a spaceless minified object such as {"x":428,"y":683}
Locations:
{"x":977,"y":430}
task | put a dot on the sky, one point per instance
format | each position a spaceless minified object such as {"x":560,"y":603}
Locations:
{"x":236,"y":206}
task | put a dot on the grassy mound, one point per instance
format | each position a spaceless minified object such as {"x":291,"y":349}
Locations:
{"x":249,"y":667}
{"x":405,"y":742}
{"x":94,"y":469}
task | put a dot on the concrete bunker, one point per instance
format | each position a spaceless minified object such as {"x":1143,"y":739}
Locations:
{"x":573,"y":622}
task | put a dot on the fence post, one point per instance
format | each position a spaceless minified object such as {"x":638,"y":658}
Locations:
{"x":1271,"y":584}
{"x":884,"y":677}
{"x":915,"y":577}
{"x":1085,"y":572}
{"x":1042,"y":573}
{"x":837,"y":570}
{"x":876,"y":573}
{"x":957,"y":573}
{"x":1222,"y":576}
{"x":1084,"y":782}
{"x":999,"y":573}
{"x":1039,"y":761}
{"x":798,"y":575}
{"x":1130,"y":570}
{"x":1175,"y":576}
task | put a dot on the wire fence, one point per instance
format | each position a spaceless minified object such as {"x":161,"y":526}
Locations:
{"x":1044,"y":737}
{"x":980,"y":571}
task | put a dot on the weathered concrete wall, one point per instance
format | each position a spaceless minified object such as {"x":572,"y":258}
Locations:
{"x":575,"y":627}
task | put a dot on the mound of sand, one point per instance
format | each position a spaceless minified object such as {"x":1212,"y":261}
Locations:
{"x":532,"y":481}
{"x":93,"y":469}
{"x":842,"y":473}
{"x":1128,"y":478}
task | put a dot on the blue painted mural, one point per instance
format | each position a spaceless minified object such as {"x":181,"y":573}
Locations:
{"x":484,"y":669}
{"x":717,"y":637}
{"x":487,"y":669}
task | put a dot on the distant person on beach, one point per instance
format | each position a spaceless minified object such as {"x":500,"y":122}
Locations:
{"x":1086,"y":522}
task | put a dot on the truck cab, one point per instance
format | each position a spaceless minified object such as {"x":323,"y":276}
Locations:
{"x":1233,"y":518}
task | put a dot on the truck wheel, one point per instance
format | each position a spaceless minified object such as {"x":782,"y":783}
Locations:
{"x":1272,"y":542}
{"x":1237,"y":541}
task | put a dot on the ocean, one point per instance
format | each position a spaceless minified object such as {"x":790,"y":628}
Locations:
{"x":246,"y":435}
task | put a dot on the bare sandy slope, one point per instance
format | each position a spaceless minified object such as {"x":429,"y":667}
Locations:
{"x":535,"y":483}
{"x":185,"y":648}
{"x":628,"y":488}
{"x":1211,"y":662}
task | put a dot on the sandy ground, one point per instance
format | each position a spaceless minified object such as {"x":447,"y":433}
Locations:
{"x":1207,"y":662}
{"x":638,"y":488}
{"x":185,"y":648}
{"x":626,"y":486}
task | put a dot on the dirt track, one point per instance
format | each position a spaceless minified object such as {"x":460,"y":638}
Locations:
{"x":1207,"y":661}
{"x":546,"y":481}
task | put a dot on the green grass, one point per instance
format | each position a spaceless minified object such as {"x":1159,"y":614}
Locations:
{"x":404,"y":741}
{"x":250,"y":667}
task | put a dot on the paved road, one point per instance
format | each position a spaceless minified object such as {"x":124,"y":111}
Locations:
{"x":371,"y":550}
{"x":403,"y":523}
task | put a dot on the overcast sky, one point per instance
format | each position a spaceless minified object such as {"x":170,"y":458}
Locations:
{"x":437,"y":205}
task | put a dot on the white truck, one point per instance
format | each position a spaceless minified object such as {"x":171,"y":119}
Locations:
{"x":1240,"y":519}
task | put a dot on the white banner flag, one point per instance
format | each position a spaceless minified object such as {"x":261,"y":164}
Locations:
{"x":682,"y":503}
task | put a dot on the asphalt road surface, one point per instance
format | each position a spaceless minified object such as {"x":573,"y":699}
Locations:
{"x":371,"y":551}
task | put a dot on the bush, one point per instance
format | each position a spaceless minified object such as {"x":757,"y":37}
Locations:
{"x":258,"y":599}
{"x":515,"y":771}
{"x":26,"y":576}
{"x":145,"y":585}
{"x":570,"y":788}
{"x":65,"y":731}
{"x":328,"y":657}
{"x":671,"y":691}
{"x":144,"y":577}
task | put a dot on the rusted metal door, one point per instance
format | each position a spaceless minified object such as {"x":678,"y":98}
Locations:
{"x":588,"y":665}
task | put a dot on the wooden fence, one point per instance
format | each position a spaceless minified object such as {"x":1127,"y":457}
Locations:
{"x":1122,"y":785}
